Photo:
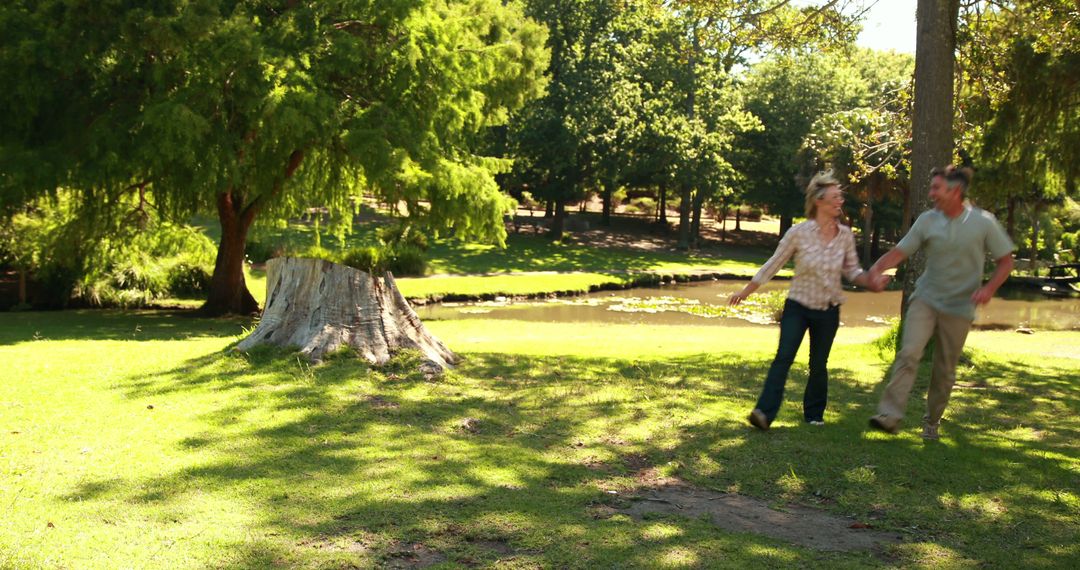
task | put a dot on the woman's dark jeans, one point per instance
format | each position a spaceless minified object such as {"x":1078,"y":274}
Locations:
{"x":793,"y":325}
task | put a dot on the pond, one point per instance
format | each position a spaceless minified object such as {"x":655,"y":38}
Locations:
{"x":706,"y":303}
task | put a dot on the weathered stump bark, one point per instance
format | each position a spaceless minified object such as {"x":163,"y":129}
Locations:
{"x":321,"y":306}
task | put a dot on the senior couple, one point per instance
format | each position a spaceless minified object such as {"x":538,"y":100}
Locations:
{"x":956,"y":238}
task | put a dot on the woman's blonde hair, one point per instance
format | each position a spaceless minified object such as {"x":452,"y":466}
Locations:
{"x":816,"y":189}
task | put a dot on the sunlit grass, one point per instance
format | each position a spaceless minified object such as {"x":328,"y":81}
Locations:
{"x":135,"y":440}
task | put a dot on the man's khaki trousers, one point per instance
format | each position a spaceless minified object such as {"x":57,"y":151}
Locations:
{"x":923,"y":322}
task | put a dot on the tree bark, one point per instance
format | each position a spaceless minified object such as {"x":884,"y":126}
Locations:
{"x":558,"y":223}
{"x":738,"y":218}
{"x":1033,"y":263}
{"x":322,"y":307}
{"x":228,"y":289}
{"x":695,"y":220}
{"x":932,"y":122}
{"x":1010,"y":217}
{"x":868,"y":218}
{"x":684,"y":218}
{"x":605,"y":216}
{"x":785,"y":223}
{"x":661,"y":211}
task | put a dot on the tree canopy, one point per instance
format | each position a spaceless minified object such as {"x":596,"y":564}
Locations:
{"x":261,"y":108}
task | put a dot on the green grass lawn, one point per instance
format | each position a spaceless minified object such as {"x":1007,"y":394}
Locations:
{"x":135,"y":440}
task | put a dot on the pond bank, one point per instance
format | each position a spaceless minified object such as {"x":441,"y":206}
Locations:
{"x":620,"y":281}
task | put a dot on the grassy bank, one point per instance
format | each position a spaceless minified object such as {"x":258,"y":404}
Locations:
{"x":132,"y":440}
{"x":535,"y":266}
{"x":529,"y":265}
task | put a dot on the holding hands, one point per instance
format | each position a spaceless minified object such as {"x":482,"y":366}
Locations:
{"x":877,"y":281}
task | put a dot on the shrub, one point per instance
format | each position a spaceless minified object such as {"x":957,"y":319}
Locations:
{"x":99,"y":258}
{"x":406,"y":261}
{"x":402,"y":261}
{"x":259,"y":251}
{"x":643,"y":205}
{"x":185,"y":278}
{"x":317,"y":252}
{"x":618,"y":197}
{"x":140,"y":274}
{"x":402,"y":235}
{"x":367,"y":259}
{"x":529,"y":202}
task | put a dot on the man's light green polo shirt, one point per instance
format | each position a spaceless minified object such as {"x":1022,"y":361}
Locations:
{"x":955,"y":256}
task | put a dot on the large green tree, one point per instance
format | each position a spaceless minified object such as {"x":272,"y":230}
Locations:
{"x":576,"y":137}
{"x":1019,"y":106}
{"x":869,"y":146}
{"x":259,"y":108}
{"x":718,"y":36}
{"x":788,"y":93}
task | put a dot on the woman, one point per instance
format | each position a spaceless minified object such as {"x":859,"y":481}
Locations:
{"x":823,"y":250}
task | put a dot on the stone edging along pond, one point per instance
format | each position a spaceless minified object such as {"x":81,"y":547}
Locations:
{"x":644,"y":279}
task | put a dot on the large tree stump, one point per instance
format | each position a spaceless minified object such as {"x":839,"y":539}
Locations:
{"x":321,"y":306}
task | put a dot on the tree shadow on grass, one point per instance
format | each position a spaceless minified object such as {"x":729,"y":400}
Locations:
{"x":107,"y":324}
{"x":509,"y":458}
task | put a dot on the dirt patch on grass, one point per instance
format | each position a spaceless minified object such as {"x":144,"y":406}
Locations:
{"x":796,"y":524}
{"x":408,"y":556}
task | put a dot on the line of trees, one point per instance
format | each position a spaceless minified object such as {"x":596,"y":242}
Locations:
{"x":254,"y":111}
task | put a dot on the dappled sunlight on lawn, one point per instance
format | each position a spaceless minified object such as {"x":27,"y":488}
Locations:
{"x":259,"y":459}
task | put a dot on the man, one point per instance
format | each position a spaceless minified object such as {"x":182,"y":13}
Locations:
{"x":956,"y":237}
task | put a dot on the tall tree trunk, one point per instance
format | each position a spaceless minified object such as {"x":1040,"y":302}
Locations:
{"x":738,"y":218}
{"x":932,"y":122}
{"x":605,"y":215}
{"x":661,"y":212}
{"x":723,"y":222}
{"x":785,"y":223}
{"x":559,"y":221}
{"x":228,"y":290}
{"x":868,"y":218}
{"x":867,"y":232}
{"x":695,"y":222}
{"x":684,"y":218}
{"x":549,"y":209}
{"x":1033,"y":263}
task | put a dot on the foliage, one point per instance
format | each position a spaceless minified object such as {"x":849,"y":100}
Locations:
{"x":788,"y":94}
{"x":577,"y":132}
{"x":76,"y":257}
{"x":368,"y":259}
{"x":869,"y":146}
{"x":403,"y":235}
{"x":250,"y":109}
{"x":1019,"y":105}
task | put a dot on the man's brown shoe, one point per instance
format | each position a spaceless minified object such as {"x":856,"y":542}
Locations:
{"x":757,"y":419}
{"x":885,"y":423}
